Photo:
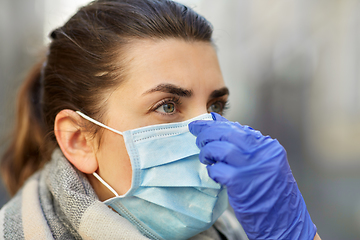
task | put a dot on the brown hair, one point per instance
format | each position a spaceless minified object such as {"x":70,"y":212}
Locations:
{"x":83,"y":64}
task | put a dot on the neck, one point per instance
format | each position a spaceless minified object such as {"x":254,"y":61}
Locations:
{"x":101,"y":191}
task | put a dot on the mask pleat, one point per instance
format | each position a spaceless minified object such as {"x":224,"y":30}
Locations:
{"x":181,"y":201}
{"x":166,"y":149}
{"x":208,"y":191}
{"x":188,"y":172}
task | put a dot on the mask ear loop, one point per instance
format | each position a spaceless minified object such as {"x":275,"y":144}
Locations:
{"x":98,"y":123}
{"x":105,"y":184}
{"x":111,"y":129}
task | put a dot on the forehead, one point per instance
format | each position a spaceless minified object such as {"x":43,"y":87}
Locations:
{"x":175,"y":61}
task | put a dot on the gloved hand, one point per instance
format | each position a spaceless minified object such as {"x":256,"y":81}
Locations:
{"x":254,"y":168}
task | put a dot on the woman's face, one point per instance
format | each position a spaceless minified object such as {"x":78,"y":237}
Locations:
{"x":167,"y":81}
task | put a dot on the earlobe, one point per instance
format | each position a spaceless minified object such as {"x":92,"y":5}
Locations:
{"x":74,"y":142}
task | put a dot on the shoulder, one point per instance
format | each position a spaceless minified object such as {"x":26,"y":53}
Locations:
{"x":22,"y":215}
{"x":11,"y":220}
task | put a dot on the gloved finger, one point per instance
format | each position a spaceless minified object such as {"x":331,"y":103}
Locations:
{"x":256,"y":133}
{"x":198,"y":126}
{"x":218,"y":117}
{"x":222,"y":152}
{"x":222,"y":173}
{"x":224,"y":131}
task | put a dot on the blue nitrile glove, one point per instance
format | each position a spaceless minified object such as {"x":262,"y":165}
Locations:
{"x":254,"y":168}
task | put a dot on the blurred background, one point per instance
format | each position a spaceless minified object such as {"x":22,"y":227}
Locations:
{"x":293,"y":67}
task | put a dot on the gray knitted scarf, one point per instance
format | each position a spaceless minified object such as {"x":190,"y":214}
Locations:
{"x":58,"y":202}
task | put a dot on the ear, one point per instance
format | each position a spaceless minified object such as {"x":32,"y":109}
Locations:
{"x":75,"y":142}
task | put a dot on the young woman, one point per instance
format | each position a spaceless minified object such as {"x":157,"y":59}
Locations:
{"x":111,"y":128}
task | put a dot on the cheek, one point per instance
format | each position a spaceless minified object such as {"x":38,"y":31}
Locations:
{"x":114,"y":162}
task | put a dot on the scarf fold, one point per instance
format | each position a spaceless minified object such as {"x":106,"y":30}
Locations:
{"x":58,"y":202}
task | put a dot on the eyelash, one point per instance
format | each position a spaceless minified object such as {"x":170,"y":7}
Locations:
{"x":174,"y":100}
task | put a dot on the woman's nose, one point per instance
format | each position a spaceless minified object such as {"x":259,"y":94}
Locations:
{"x":197,"y":112}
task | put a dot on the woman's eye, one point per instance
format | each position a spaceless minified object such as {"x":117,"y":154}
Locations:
{"x":166,"y":108}
{"x":216,"y":107}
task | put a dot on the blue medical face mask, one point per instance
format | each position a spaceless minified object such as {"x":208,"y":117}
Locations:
{"x":171,"y":194}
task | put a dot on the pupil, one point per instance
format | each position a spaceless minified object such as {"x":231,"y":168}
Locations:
{"x":216,"y":107}
{"x":168,"y":108}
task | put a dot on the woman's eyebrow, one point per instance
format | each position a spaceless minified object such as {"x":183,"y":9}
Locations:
{"x":220,"y":92}
{"x":170,"y":88}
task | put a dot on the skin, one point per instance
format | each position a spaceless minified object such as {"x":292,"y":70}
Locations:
{"x":167,"y":81}
{"x":176,"y":63}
